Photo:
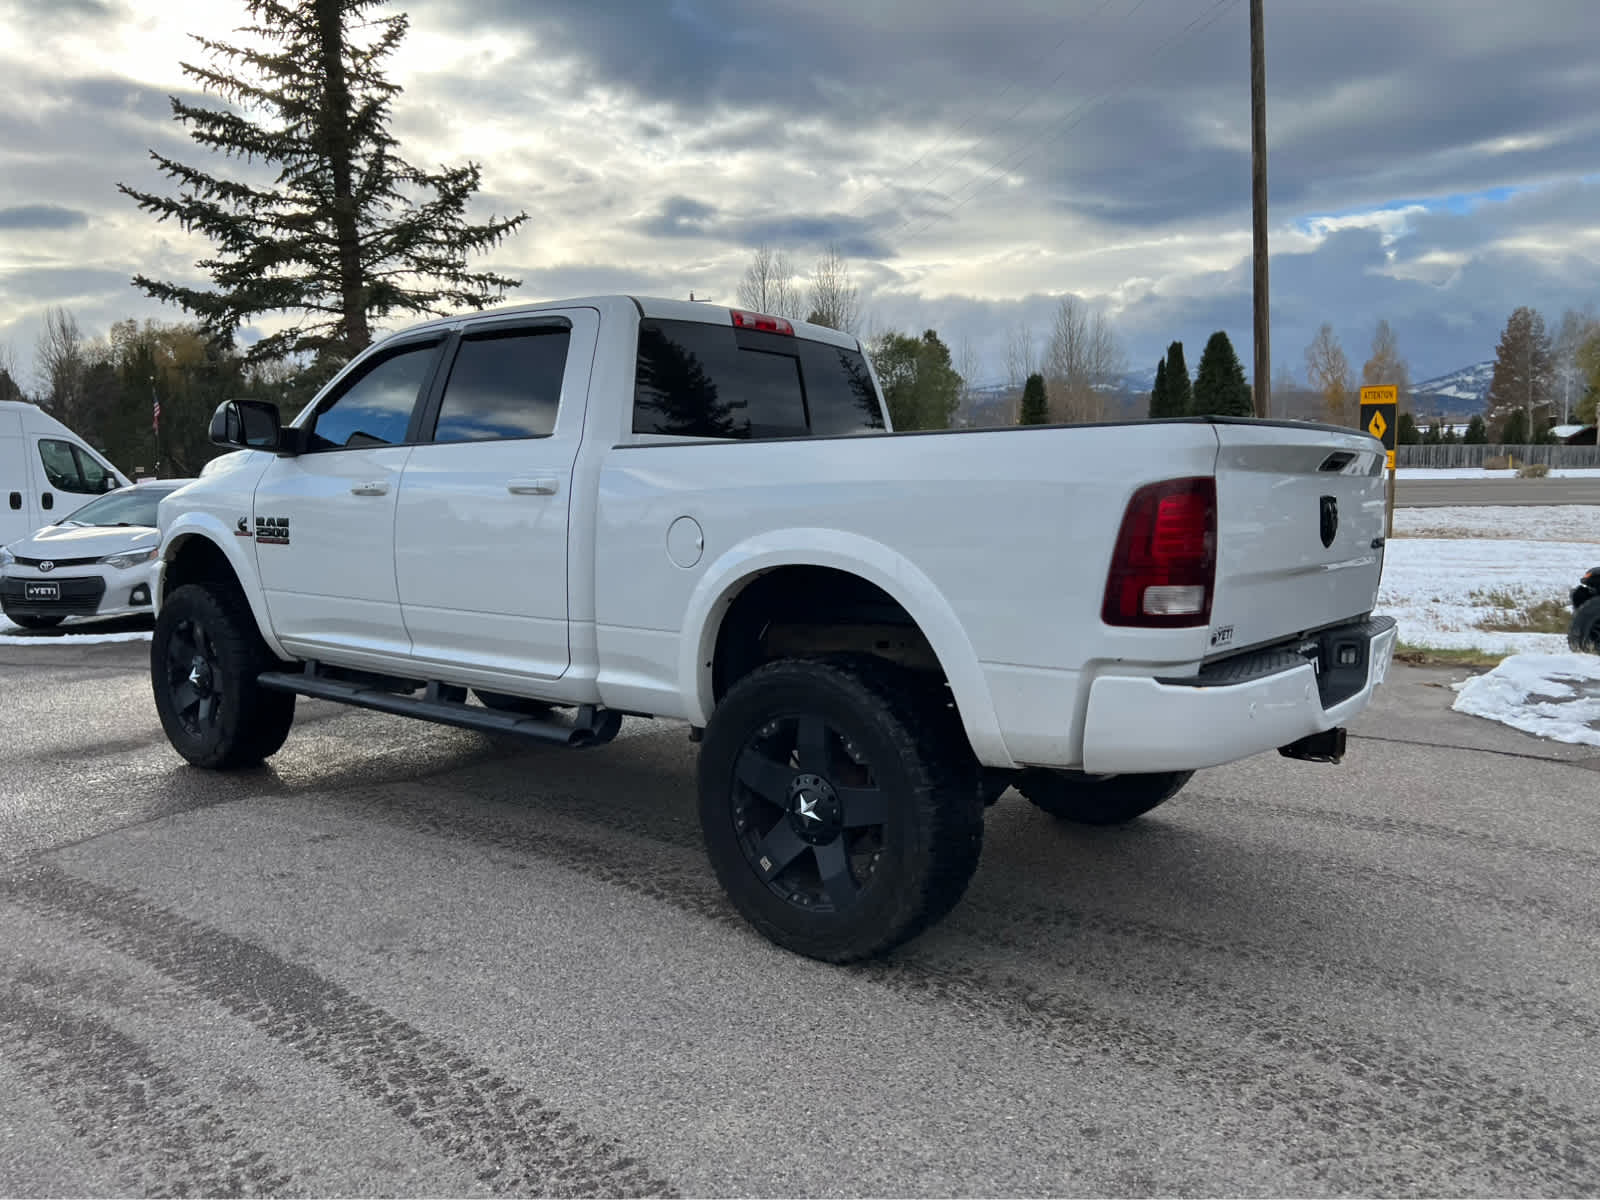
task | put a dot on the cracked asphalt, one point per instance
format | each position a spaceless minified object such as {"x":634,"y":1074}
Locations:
{"x":410,"y":960}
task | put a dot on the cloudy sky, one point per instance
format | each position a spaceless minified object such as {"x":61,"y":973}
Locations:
{"x":1433,"y":162}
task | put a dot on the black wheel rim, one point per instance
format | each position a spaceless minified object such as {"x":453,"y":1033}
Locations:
{"x":192,"y":679}
{"x":809,"y":813}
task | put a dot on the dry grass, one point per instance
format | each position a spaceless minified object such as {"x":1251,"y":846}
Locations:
{"x":1428,"y":656}
{"x":1515,"y":615}
{"x":1532,"y":471}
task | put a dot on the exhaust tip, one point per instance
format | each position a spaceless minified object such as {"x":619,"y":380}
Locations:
{"x":1325,"y":747}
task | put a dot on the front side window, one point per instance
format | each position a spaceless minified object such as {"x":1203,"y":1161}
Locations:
{"x":505,"y":384}
{"x":694,"y":379}
{"x":63,"y":468}
{"x":375,"y":410}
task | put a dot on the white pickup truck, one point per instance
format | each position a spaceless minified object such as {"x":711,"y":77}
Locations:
{"x":540,"y":520}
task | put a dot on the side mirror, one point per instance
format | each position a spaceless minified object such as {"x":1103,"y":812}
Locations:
{"x":248,"y":425}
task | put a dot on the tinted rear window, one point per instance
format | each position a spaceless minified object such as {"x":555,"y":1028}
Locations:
{"x":713,"y":381}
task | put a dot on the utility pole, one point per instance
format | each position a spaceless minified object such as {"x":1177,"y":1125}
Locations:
{"x":1258,"y":205}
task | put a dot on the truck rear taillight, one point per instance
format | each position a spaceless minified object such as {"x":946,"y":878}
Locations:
{"x":1165,"y":563}
{"x":761,"y":321}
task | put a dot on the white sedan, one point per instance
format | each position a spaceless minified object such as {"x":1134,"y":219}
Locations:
{"x":98,"y":562}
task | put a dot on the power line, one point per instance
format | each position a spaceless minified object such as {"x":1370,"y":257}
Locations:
{"x":1012,"y":160}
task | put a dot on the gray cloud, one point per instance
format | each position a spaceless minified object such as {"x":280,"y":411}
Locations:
{"x":46,"y":217}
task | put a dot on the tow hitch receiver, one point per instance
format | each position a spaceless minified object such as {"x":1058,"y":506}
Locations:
{"x":1327,"y":747}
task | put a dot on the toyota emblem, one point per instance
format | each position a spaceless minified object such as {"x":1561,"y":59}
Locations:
{"x":47,"y":566}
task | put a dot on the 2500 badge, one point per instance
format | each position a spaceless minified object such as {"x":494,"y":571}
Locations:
{"x":272,"y":531}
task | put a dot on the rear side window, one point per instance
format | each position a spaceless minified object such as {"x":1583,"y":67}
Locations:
{"x":504,"y":385}
{"x":712,"y":381}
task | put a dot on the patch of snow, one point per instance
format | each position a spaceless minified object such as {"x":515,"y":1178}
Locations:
{"x":1553,"y":696}
{"x":1538,"y":523}
{"x":14,"y":635}
{"x":1426,"y":473}
{"x":1428,"y":586}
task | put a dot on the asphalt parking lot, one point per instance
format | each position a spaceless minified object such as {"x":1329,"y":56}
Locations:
{"x":410,"y":960}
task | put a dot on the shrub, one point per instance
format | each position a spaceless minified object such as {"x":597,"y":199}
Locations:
{"x":1498,"y":463}
{"x":1532,"y":471}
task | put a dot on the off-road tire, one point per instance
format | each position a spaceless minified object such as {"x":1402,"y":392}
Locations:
{"x":246,"y":723}
{"x":31,"y":622}
{"x":893,"y":745}
{"x":1583,"y":635}
{"x":1098,"y":799}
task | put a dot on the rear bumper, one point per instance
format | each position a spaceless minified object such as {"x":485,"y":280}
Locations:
{"x":1238,"y":708}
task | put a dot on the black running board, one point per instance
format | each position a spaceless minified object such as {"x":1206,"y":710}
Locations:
{"x":592,"y":725}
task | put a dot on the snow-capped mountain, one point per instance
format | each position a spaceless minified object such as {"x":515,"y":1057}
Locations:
{"x":1461,"y":392}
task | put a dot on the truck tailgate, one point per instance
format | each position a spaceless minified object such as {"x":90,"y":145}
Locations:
{"x":1300,"y":522}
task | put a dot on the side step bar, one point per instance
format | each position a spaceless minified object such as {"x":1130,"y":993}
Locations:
{"x":593,"y":726}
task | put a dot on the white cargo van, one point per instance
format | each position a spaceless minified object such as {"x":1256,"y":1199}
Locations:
{"x":46,"y":470}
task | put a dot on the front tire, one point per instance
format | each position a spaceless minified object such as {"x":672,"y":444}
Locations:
{"x":1583,"y":635}
{"x":841,"y":807}
{"x":1098,"y":799}
{"x":27,"y":622}
{"x":204,"y":659}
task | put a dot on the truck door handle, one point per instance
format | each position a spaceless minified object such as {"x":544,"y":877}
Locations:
{"x":546,"y":486}
{"x":377,"y":487}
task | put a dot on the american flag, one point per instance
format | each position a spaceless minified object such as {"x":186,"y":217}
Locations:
{"x":155,"y":410}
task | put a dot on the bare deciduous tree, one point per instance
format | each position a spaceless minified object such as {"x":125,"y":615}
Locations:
{"x":1386,"y":366}
{"x":1575,"y":329}
{"x":768,"y":285}
{"x":61,"y":361}
{"x":1328,"y":371}
{"x":835,"y":300}
{"x":1080,"y":359}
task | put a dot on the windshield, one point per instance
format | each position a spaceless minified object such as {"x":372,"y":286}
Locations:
{"x":133,"y":506}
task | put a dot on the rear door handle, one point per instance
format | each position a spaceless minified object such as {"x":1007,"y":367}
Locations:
{"x":546,"y":486}
{"x":377,"y":487}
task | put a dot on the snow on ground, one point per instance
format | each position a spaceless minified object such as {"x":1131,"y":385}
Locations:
{"x":13,"y":635}
{"x":1425,"y":473}
{"x":1544,"y":523}
{"x":1550,"y":695}
{"x":1429,"y":584}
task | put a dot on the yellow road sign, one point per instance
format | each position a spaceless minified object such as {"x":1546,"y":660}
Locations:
{"x":1380,"y":415}
{"x":1377,"y":427}
{"x":1387,"y":393}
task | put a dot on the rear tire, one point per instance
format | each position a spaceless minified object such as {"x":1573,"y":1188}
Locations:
{"x":1098,"y":799}
{"x":1583,"y":635}
{"x":28,"y":622}
{"x":841,"y":805}
{"x":205,"y":657}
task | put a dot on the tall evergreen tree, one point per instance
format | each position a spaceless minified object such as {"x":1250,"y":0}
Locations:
{"x":1523,"y":375}
{"x":1477,"y":432}
{"x":1180,"y":393}
{"x":1035,"y":409}
{"x":1514,"y":429}
{"x":346,"y":232}
{"x":1405,"y":433}
{"x":1160,"y":405}
{"x":1219,"y":386}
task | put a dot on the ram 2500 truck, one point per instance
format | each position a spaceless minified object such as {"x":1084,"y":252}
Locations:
{"x":538,"y":521}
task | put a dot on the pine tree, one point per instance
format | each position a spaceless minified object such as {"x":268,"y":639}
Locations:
{"x":1514,"y":431}
{"x":1219,"y":386}
{"x":1523,"y":375}
{"x":1180,"y":394}
{"x":346,"y":232}
{"x":1035,"y":410}
{"x":1405,"y":433}
{"x":1477,"y":432}
{"x":1159,"y":401}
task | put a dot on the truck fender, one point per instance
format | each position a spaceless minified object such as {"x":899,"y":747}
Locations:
{"x":235,"y":549}
{"x":729,"y":574}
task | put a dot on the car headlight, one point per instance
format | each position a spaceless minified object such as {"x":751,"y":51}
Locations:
{"x":131,"y":558}
{"x":7,"y":559}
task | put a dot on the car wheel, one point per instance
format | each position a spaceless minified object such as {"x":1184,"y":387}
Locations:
{"x":1098,"y":799}
{"x":28,"y":622}
{"x":1583,"y":635}
{"x":840,"y":804}
{"x":205,"y":657}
